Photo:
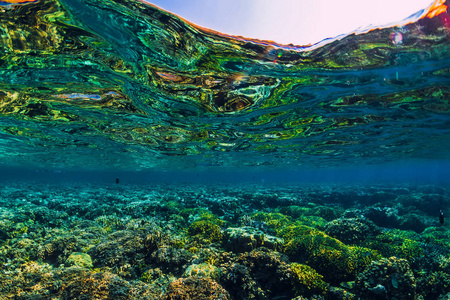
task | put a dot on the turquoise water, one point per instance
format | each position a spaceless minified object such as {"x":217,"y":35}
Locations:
{"x":100,"y":84}
{"x":143,"y":157}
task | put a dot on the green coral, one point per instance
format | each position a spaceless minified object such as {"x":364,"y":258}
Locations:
{"x":346,"y":262}
{"x":275,"y":221}
{"x":437,"y":235}
{"x":351,"y":230}
{"x":293,"y":211}
{"x":324,"y":253}
{"x":363,"y":257}
{"x":172,"y":207}
{"x":338,"y":260}
{"x":146,"y":277}
{"x":390,"y":244}
{"x":300,"y":240}
{"x":208,"y":227}
{"x":306,"y":215}
{"x":82,"y":260}
{"x":306,"y":280}
{"x":209,"y":231}
{"x":435,"y":284}
{"x":313,"y":221}
{"x":325,"y":213}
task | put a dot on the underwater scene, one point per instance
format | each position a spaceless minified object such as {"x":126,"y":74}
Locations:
{"x":145,"y":157}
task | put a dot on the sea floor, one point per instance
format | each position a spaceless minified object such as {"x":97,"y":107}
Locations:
{"x":82,"y":241}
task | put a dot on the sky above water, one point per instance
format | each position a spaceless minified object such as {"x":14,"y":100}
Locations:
{"x":299,"y":22}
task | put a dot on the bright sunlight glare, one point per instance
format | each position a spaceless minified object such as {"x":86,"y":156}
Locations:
{"x":291,"y":21}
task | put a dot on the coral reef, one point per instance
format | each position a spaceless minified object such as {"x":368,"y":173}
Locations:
{"x":351,"y":230}
{"x":395,"y":243}
{"x":258,"y":274}
{"x":307,"y":281}
{"x":82,"y":260}
{"x":387,"y":278}
{"x":195,"y":288}
{"x":399,"y":216}
{"x":40,"y":281}
{"x":203,"y":270}
{"x":434,"y":285}
{"x":244,"y":239}
{"x":195,"y":242}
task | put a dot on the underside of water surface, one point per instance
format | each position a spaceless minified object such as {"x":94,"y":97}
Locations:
{"x":122,"y":84}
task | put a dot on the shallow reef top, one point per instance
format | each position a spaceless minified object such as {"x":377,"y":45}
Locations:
{"x":151,"y":242}
{"x":117,"y":83}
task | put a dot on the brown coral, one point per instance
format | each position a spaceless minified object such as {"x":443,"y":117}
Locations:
{"x":387,"y":278}
{"x":195,"y":288}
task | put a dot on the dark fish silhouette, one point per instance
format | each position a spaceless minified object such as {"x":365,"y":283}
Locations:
{"x":441,"y":217}
{"x":117,"y":180}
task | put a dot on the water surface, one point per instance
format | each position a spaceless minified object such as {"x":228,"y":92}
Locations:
{"x":122,"y":84}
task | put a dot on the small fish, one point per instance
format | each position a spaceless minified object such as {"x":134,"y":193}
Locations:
{"x":117,"y":180}
{"x":441,"y":217}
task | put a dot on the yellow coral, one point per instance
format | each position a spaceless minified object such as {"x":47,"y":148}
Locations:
{"x":307,"y":281}
{"x":208,"y":230}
